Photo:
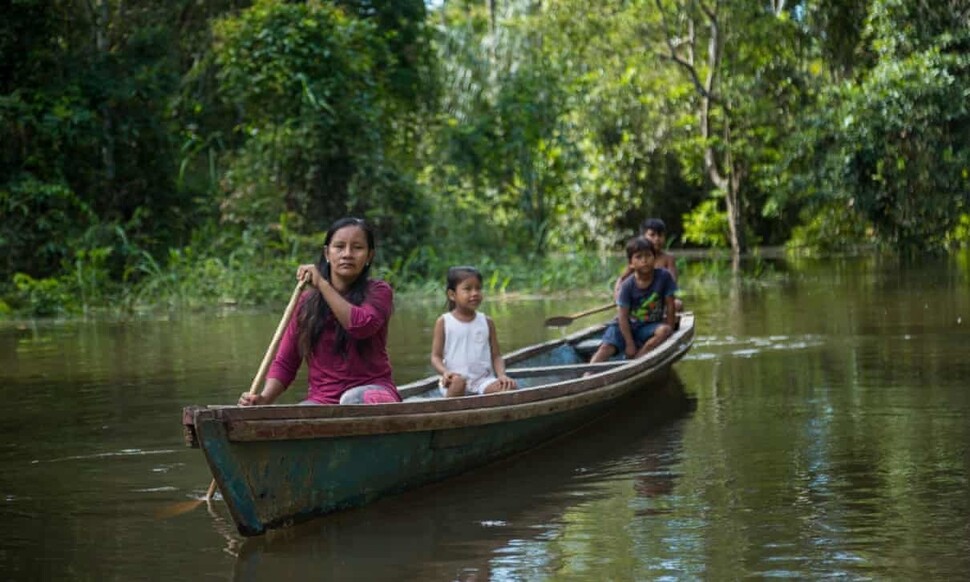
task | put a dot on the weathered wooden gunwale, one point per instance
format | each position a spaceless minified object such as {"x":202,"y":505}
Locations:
{"x":277,"y":422}
{"x":580,"y":393}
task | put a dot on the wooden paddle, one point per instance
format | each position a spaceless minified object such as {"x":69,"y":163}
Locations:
{"x":564,"y":320}
{"x":268,"y":357}
{"x":186,"y":506}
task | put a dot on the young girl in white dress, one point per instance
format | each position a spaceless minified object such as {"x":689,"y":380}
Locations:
{"x":464,"y":349}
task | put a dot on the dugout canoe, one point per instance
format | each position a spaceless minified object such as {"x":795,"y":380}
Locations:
{"x":279,"y":464}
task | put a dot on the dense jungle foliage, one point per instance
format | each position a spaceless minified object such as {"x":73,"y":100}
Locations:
{"x":186,"y":153}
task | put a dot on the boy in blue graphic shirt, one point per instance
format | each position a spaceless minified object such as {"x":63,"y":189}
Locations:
{"x":654,"y":230}
{"x":645,"y":305}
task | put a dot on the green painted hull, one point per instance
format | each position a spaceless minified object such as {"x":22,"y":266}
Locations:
{"x":276,"y":465}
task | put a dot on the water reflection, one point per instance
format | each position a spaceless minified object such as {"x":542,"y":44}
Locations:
{"x":501,"y":519}
{"x":658,"y":475}
{"x":829,"y":440}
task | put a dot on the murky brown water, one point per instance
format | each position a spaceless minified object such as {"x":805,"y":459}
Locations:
{"x":817,"y":429}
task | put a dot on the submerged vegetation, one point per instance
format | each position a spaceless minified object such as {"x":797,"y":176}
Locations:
{"x":185,"y":154}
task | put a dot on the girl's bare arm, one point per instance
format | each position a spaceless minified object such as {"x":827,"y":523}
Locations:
{"x":498,"y":364}
{"x":438,"y":347}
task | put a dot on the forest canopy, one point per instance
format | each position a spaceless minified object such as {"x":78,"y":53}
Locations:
{"x":154,"y":150}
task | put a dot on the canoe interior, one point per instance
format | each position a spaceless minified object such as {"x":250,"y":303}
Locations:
{"x":540,"y":365}
{"x":565,"y":359}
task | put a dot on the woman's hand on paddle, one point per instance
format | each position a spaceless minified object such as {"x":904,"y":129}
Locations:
{"x":309,"y":273}
{"x":339,"y":305}
{"x":248,"y":399}
{"x":270,"y":392}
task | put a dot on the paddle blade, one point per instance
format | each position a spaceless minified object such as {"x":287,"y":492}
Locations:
{"x":176,"y":509}
{"x":559,"y":321}
{"x":181,"y":507}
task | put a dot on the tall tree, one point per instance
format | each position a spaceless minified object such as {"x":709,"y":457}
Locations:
{"x":501,"y":127}
{"x":84,"y":109}
{"x":741,"y":61}
{"x":889,"y":144}
{"x":690,"y":29}
{"x":319,"y":92}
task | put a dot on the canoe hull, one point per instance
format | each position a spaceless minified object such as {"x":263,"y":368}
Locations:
{"x":279,"y":465}
{"x":275,"y":483}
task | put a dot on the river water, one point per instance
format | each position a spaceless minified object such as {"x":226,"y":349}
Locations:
{"x":818,"y":428}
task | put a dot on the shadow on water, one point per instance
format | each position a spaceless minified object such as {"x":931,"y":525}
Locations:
{"x":456,"y":529}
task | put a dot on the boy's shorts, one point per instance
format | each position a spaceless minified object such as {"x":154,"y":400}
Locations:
{"x":641,"y":333}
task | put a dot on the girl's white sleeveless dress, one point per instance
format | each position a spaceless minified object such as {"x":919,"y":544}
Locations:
{"x":468,"y":352}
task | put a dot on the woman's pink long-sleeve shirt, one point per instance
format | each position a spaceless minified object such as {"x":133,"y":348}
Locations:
{"x":365,"y":361}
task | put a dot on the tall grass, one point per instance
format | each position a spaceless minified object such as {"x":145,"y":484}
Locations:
{"x":506,"y":275}
{"x":241,"y":270}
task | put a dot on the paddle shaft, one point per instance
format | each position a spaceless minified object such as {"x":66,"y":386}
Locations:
{"x":277,"y":337}
{"x":268,"y":357}
{"x":593,"y":310}
{"x":561,"y":320}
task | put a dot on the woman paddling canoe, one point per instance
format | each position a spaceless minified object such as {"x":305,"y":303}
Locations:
{"x":340,"y":329}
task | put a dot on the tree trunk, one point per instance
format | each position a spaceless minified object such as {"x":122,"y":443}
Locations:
{"x":720,"y":166}
{"x":102,"y":17}
{"x":732,"y":198}
{"x":492,"y":41}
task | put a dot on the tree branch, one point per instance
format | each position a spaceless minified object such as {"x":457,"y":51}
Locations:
{"x":672,"y":46}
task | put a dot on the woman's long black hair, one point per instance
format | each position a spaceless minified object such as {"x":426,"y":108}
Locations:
{"x":315,"y":310}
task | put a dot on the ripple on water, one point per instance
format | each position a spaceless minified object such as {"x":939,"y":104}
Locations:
{"x":712,"y":347}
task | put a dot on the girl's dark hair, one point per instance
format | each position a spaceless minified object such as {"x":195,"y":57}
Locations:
{"x":315,"y":310}
{"x":458,"y":274}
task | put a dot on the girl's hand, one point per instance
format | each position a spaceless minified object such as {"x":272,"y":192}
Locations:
{"x":454,"y":384}
{"x":506,"y":383}
{"x":247,"y":399}
{"x":630,"y":350}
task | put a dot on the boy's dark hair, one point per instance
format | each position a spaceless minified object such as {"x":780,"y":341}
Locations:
{"x":458,"y":274}
{"x":654,"y":224}
{"x":638,"y":244}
